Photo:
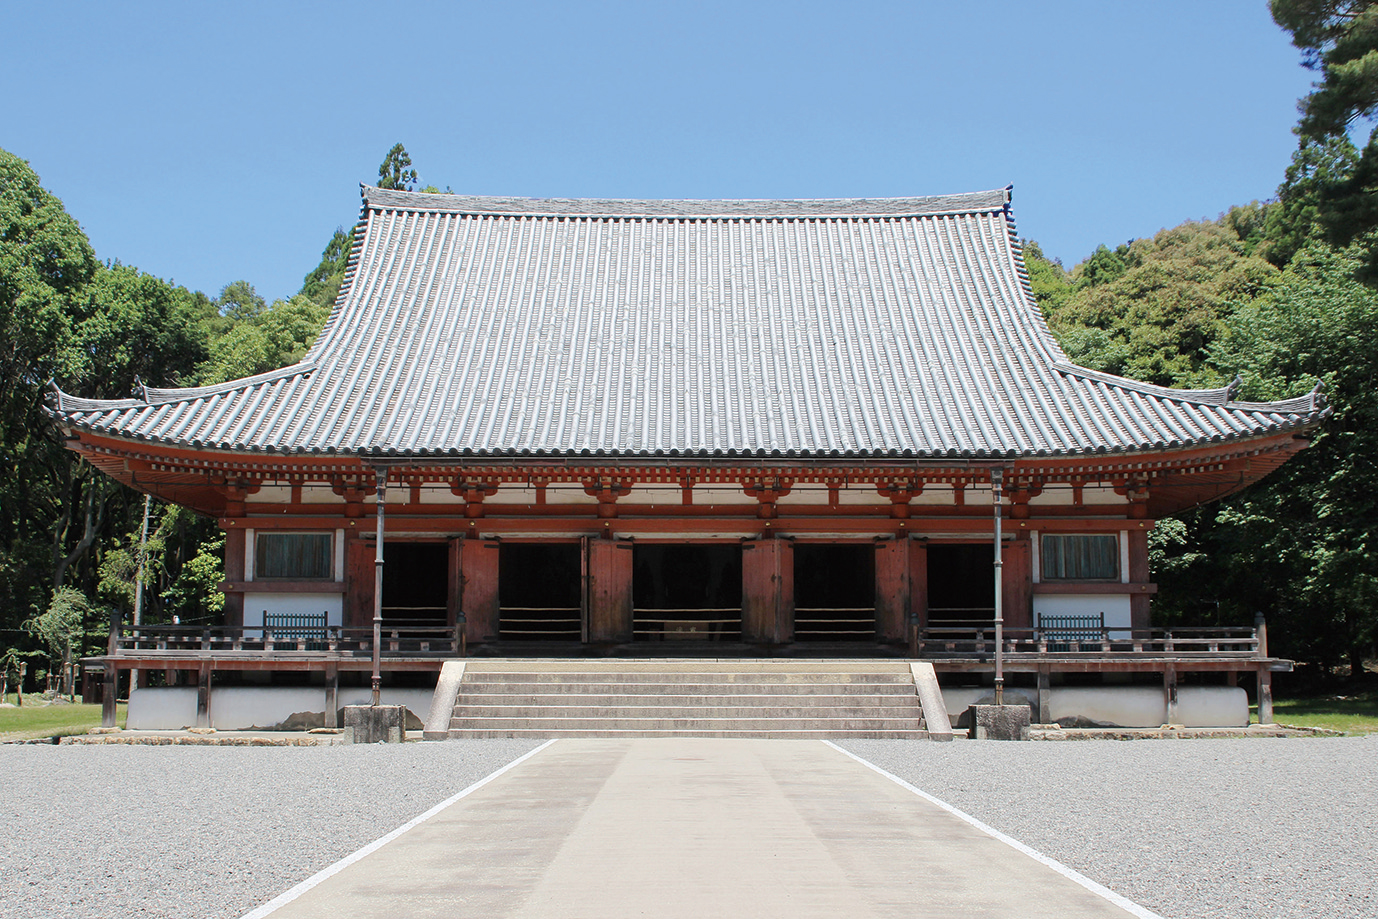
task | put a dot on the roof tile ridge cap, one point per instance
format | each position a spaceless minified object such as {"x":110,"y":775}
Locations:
{"x":1047,"y":341}
{"x":57,"y":402}
{"x":974,"y":202}
{"x":360,"y":230}
{"x":182,"y":394}
{"x":1218,"y":396}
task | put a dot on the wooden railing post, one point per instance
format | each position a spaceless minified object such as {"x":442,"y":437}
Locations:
{"x":111,"y":675}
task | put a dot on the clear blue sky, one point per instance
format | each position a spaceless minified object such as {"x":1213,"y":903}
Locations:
{"x":212,"y":142}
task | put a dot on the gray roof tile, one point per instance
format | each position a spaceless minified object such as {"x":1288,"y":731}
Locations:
{"x":474,"y":326}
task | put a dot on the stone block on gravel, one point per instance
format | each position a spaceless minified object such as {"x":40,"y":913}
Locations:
{"x":999,"y":722}
{"x":375,"y":724}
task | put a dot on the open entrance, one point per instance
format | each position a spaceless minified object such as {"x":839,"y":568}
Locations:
{"x":961,"y":585}
{"x":415,"y":578}
{"x":539,"y":592}
{"x":687,"y":592}
{"x":834,"y":592}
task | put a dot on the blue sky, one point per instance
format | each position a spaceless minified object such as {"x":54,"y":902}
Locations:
{"x":212,"y":142}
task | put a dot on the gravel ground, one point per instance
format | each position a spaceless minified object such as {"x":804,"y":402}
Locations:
{"x":1192,"y":829}
{"x":96,"y":832}
{"x":1188,"y":828}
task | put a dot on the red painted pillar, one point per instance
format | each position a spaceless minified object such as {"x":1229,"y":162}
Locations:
{"x":479,"y":588}
{"x":768,"y":591}
{"x":609,"y":603}
{"x":892,"y":589}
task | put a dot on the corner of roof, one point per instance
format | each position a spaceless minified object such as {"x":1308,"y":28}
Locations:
{"x":1309,"y":409}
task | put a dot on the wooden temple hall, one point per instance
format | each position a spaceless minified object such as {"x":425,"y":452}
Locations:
{"x":686,"y":429}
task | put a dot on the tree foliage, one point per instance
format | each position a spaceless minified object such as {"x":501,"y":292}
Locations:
{"x":396,"y":171}
{"x":1339,"y":41}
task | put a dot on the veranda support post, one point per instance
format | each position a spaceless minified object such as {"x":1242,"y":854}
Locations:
{"x":1265,"y":676}
{"x":380,"y":474}
{"x":996,"y":480}
{"x":112,"y":674}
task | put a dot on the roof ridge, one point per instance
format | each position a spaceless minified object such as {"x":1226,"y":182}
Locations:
{"x":1223,"y":396}
{"x":63,"y":402}
{"x":687,"y":208}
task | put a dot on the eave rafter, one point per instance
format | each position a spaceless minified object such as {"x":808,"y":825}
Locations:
{"x":1218,"y":469}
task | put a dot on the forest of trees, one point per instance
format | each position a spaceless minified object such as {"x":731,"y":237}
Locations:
{"x":1283,"y":293}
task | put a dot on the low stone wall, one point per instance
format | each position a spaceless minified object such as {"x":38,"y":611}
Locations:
{"x":1115,"y":706}
{"x":242,"y":708}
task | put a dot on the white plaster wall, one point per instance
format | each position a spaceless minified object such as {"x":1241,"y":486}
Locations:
{"x":653,"y":494}
{"x":1061,"y":495}
{"x":271,"y":494}
{"x":860,"y":494}
{"x":238,"y":708}
{"x":568,"y":494}
{"x":512,"y":494}
{"x":1120,"y":706}
{"x":934,"y":494}
{"x":332,"y":604}
{"x":805,"y":494}
{"x":319,"y":494}
{"x":1115,"y":607}
{"x":441,"y":494}
{"x":166,"y":708}
{"x":719,"y":494}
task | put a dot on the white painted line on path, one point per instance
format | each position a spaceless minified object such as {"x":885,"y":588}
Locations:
{"x":1071,"y":874}
{"x":283,"y":899}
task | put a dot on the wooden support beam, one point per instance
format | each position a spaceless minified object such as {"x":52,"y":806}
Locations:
{"x":892,"y":589}
{"x":1265,"y":696}
{"x":1045,"y":694}
{"x":1170,"y":692}
{"x":332,"y":694}
{"x":768,"y":591}
{"x":111,"y":691}
{"x":609,"y":603}
{"x":203,"y":695}
{"x":478,"y":564}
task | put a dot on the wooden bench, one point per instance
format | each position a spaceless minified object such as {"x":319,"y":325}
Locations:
{"x":1062,"y":632}
{"x":310,"y":627}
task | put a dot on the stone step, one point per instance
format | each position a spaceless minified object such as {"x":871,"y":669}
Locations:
{"x":777,"y":678}
{"x":560,"y":726}
{"x":681,"y":665}
{"x":792,"y":734}
{"x":615,"y":697}
{"x":464,"y":712}
{"x":609,"y":687}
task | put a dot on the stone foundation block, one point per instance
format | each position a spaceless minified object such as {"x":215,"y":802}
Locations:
{"x":999,"y":722}
{"x":375,"y":724}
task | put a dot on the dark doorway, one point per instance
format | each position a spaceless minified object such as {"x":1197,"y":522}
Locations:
{"x":961,"y":585}
{"x":539,"y":593}
{"x":415,"y":576}
{"x":834,"y":592}
{"x":689,"y":592}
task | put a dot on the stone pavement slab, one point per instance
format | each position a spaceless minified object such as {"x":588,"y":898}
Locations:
{"x":683,"y":827}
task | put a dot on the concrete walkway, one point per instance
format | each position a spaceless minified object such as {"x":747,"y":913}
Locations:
{"x":692,"y":828}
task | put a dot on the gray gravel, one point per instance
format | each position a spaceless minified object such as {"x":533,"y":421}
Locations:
{"x":96,"y":832}
{"x":1199,"y":828}
{"x":1192,"y":829}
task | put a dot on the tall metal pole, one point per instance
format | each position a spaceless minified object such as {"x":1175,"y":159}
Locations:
{"x":380,"y":477}
{"x":996,"y":480}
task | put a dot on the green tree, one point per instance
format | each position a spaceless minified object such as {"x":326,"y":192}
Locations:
{"x":1151,"y":309}
{"x":1339,"y":41}
{"x":1298,"y":546}
{"x":62,"y":626}
{"x":396,"y":171}
{"x":322,"y":285}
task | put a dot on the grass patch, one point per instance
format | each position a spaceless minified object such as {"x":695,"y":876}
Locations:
{"x":35,"y":720}
{"x":1354,"y":712}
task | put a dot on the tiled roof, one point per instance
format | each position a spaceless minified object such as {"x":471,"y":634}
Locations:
{"x":483,"y":326}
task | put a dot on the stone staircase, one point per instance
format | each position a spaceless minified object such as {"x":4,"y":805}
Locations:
{"x":686,"y":698}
